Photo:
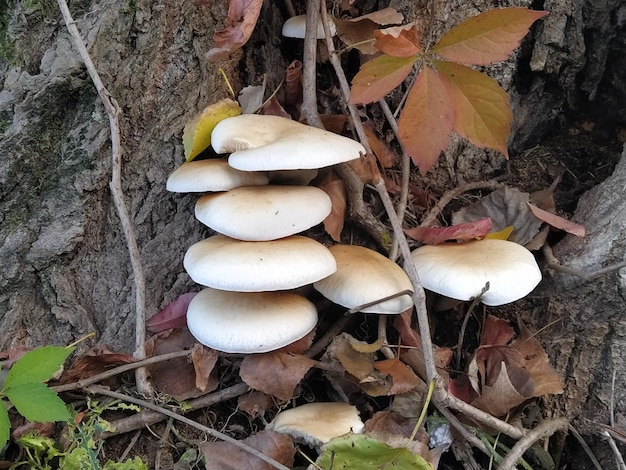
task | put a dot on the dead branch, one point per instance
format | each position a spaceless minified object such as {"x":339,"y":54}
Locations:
{"x":543,"y":430}
{"x":556,"y":265}
{"x":113,"y":111}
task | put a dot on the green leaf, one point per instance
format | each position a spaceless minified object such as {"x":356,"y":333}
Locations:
{"x":38,"y":365}
{"x":359,"y":451}
{"x":482,"y":113}
{"x":378,"y":77}
{"x":5,"y":425}
{"x":130,"y":464}
{"x":488,"y":37}
{"x":36,"y":402}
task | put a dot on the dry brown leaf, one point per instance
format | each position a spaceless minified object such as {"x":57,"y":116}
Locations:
{"x":335,"y":188}
{"x":276,"y":373}
{"x":403,"y":379}
{"x":293,"y":84}
{"x":545,"y":378}
{"x":302,"y":345}
{"x":383,"y":152}
{"x":227,"y":456}
{"x":94,"y":361}
{"x":360,"y":31}
{"x":358,"y":364}
{"x":506,"y":207}
{"x":242,"y":18}
{"x":499,"y":398}
{"x":204,"y":360}
{"x":255,"y":403}
{"x":365,"y":347}
{"x":496,"y":332}
{"x":272,"y":107}
{"x":175,"y":377}
{"x":366,"y":169}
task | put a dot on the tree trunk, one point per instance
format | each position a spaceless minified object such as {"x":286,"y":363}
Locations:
{"x":65,"y":266}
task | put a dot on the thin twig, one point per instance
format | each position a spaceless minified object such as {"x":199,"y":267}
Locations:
{"x":543,"y":430}
{"x":619,"y":459}
{"x":113,"y":111}
{"x":459,"y":345}
{"x":462,"y":430}
{"x":555,"y":264}
{"x":586,"y":448}
{"x":149,"y":417}
{"x":450,"y":195}
{"x":119,"y":370}
{"x":309,"y":66}
{"x":96,"y":390}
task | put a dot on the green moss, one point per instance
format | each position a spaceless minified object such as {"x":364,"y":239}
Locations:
{"x":8,"y":51}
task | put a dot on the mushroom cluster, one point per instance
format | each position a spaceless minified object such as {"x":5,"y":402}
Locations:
{"x":256,"y":258}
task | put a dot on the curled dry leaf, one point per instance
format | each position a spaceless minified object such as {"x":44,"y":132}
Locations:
{"x":359,"y":32}
{"x":381,"y":150}
{"x":227,"y":456}
{"x":335,"y":188}
{"x":174,"y":315}
{"x":505,"y":207}
{"x":95,"y":361}
{"x":255,"y":403}
{"x":204,"y":360}
{"x":293,"y":84}
{"x":276,"y":373}
{"x":462,"y":232}
{"x":242,"y":18}
{"x":403,"y":379}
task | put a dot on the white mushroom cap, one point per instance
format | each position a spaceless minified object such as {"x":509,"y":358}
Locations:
{"x":261,"y":143}
{"x":249,"y":322}
{"x":295,"y":27}
{"x":228,"y":264}
{"x":257,"y":213}
{"x":364,"y":276}
{"x":461,"y":270}
{"x":318,"y":423}
{"x":211,"y":175}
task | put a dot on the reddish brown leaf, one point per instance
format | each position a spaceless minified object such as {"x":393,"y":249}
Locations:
{"x":366,"y":169}
{"x":334,"y":187}
{"x":398,"y":41}
{"x":273,"y":108}
{"x":488,"y":361}
{"x":95,"y":361}
{"x":293,"y":84}
{"x":378,"y":77}
{"x":498,"y":399}
{"x":227,"y":456}
{"x":383,"y":152}
{"x":482,"y":113}
{"x":496,"y":332}
{"x":463,"y":232}
{"x":242,"y":18}
{"x":403,"y":378}
{"x":255,"y":403}
{"x":276,"y":373}
{"x":426,"y":121}
{"x":302,"y":345}
{"x":488,"y":37}
{"x":558,"y":222}
{"x":359,"y":32}
{"x":174,"y":315}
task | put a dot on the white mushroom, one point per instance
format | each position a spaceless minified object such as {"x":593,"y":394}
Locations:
{"x":225,"y":263}
{"x":249,"y":322}
{"x":259,"y":143}
{"x":295,"y":27}
{"x":364,"y":276}
{"x":461,"y":270}
{"x":257,"y":213}
{"x":211,"y":175}
{"x":318,"y":423}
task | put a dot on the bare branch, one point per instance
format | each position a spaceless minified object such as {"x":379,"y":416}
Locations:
{"x":543,"y":430}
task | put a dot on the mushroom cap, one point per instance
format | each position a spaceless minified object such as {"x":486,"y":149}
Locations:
{"x":225,"y":263}
{"x":257,"y":213}
{"x":295,"y":27}
{"x":364,"y":276}
{"x":249,"y":322}
{"x":318,"y":423}
{"x":211,"y":175}
{"x":260,"y":142}
{"x":461,"y":270}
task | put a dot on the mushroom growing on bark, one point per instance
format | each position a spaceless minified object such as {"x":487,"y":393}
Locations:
{"x":462,"y":270}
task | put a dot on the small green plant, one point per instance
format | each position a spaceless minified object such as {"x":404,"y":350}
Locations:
{"x":24,"y":387}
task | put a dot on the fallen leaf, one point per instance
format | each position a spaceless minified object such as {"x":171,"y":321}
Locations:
{"x":379,"y":76}
{"x":197,"y":132}
{"x":366,"y":169}
{"x":273,"y":108}
{"x":403,"y":379}
{"x":241,"y":20}
{"x":503,"y":234}
{"x":226,"y":456}
{"x":399,"y":41}
{"x":255,"y":403}
{"x":500,"y":397}
{"x":558,"y":222}
{"x":302,"y":345}
{"x":365,"y":347}
{"x":481,"y":109}
{"x":96,"y":360}
{"x":496,"y":332}
{"x":251,"y":98}
{"x":293,"y":84}
{"x":358,"y":364}
{"x":204,"y":360}
{"x":381,"y":150}
{"x":359,"y":32}
{"x":426,"y":121}
{"x":488,"y":37}
{"x":394,"y":430}
{"x":276,"y":373}
{"x":463,"y":232}
{"x":335,"y":188}
{"x":174,"y":315}
{"x":505,"y":207}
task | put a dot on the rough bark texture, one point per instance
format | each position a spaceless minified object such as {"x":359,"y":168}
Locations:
{"x":64,"y":268}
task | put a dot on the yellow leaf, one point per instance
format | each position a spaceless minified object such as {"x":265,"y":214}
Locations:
{"x":197,"y":132}
{"x":501,"y":235}
{"x":364,"y":347}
